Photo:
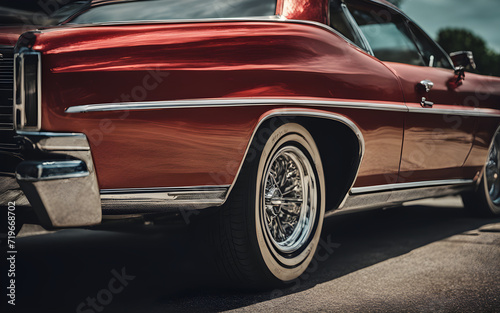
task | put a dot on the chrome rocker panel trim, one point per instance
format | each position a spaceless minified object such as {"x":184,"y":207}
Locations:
{"x":362,"y":198}
{"x":147,"y":200}
{"x":392,"y":187}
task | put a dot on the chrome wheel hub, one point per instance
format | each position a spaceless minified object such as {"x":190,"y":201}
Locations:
{"x":289,"y":202}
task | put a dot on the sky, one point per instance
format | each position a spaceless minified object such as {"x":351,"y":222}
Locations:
{"x":482,"y":17}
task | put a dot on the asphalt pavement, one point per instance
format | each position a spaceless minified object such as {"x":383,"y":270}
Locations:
{"x":423,"y":257}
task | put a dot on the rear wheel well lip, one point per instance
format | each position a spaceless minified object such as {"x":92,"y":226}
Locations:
{"x":312,"y":114}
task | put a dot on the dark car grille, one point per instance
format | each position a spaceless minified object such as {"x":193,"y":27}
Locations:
{"x":7,"y":141}
{"x":6,"y":88}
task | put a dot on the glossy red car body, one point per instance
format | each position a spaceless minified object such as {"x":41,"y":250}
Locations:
{"x":233,"y":75}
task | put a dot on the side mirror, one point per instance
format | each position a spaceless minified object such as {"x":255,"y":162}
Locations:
{"x":463,"y":59}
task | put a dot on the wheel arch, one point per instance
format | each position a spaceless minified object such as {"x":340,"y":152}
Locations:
{"x":340,"y":169}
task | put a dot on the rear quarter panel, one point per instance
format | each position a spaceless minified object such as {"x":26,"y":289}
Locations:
{"x":219,"y":60}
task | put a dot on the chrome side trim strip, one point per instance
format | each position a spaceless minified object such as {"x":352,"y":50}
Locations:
{"x":231,"y":102}
{"x":478,"y":112}
{"x":235,"y":102}
{"x":401,"y":186}
{"x":163,"y":199}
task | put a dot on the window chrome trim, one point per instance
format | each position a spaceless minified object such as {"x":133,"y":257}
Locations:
{"x":357,"y":29}
{"x":328,"y":28}
{"x":183,"y":21}
{"x":401,"y":186}
{"x":409,"y":23}
{"x":205,"y":103}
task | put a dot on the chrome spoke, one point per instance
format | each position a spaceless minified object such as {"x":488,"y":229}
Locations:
{"x":289,"y":212}
{"x":276,"y":185}
{"x":281,"y":231}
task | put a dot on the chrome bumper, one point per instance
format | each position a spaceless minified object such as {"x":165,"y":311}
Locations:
{"x":58,"y":178}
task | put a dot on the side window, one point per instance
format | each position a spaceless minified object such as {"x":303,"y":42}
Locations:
{"x":432,"y":54}
{"x":387,"y":34}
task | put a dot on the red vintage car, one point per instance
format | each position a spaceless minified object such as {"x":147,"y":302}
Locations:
{"x":273,"y":114}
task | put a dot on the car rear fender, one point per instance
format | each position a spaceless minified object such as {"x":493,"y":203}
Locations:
{"x":338,"y":138}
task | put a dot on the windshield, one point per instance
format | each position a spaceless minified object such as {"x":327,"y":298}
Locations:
{"x":36,"y":12}
{"x":175,"y":9}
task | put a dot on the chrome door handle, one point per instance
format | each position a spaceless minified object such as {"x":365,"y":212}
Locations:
{"x":426,"y":104}
{"x":427,"y":84}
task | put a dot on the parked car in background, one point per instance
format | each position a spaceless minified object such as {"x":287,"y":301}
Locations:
{"x":272,"y":114}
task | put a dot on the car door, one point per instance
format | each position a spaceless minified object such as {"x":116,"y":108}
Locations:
{"x":438,"y":132}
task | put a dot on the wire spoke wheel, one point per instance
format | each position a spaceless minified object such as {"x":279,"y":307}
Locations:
{"x":492,"y":172}
{"x":271,"y":225}
{"x":289,"y":203}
